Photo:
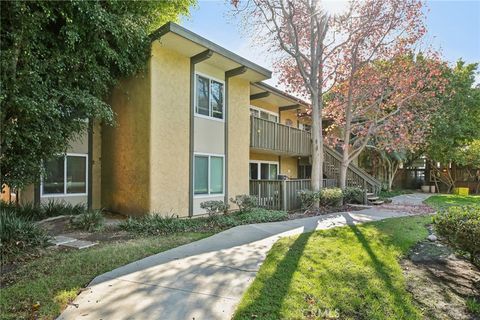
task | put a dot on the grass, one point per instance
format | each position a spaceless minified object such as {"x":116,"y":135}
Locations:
{"x":346,"y":273}
{"x":447,"y":200}
{"x":50,"y":282}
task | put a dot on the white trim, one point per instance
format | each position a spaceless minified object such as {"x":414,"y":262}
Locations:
{"x":259,"y":171}
{"x":210,"y":112}
{"x":65,"y":194}
{"x":208,"y":194}
{"x":264,"y":110}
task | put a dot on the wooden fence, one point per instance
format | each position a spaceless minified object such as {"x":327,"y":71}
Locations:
{"x":282,"y":194}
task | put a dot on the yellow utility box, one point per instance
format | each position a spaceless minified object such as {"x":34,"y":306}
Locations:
{"x":461,"y":191}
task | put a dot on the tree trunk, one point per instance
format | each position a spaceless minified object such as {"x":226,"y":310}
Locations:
{"x":317,"y":143}
{"x":343,"y":175}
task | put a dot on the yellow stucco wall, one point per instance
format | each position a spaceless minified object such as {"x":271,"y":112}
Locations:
{"x":126,"y":148}
{"x":289,"y":167}
{"x":169,"y":142}
{"x":238,"y":136}
{"x":263,"y":156}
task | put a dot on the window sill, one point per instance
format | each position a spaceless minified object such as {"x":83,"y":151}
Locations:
{"x":216,"y":195}
{"x":198,"y":115}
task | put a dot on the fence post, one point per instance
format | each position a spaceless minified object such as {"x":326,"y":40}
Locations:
{"x":259,"y":194}
{"x":284,"y":195}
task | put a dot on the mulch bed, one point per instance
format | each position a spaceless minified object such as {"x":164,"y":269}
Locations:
{"x":441,"y":281}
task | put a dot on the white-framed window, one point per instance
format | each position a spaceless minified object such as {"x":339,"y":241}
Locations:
{"x":265,"y":170}
{"x":263,"y":114}
{"x":208,"y":174}
{"x":65,"y":176}
{"x":209,"y":97}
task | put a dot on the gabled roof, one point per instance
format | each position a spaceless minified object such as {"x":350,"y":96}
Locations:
{"x":188,"y":43}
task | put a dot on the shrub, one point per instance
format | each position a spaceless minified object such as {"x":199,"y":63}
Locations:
{"x":214,"y":206}
{"x":245,"y":202}
{"x":89,"y":221}
{"x":18,"y":234}
{"x":61,"y":208}
{"x":353,"y":195}
{"x":158,"y":225}
{"x":308,"y":198}
{"x":331,"y":197}
{"x":461,"y":228}
{"x":260,"y":215}
{"x":51,"y":209}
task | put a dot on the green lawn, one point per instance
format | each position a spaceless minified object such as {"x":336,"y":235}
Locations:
{"x":345,"y":273}
{"x":56,"y":278}
{"x":447,"y":200}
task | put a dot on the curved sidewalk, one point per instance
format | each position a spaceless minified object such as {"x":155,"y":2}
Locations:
{"x":203,"y":280}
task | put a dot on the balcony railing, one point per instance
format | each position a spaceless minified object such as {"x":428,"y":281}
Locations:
{"x":278,"y":138}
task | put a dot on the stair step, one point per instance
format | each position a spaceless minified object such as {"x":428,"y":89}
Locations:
{"x":377,"y":202}
{"x":370,"y":194}
{"x":372,"y":198}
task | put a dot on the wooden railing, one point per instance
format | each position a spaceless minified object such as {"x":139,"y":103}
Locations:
{"x":356,"y":177}
{"x":279,"y":138}
{"x":282,"y":194}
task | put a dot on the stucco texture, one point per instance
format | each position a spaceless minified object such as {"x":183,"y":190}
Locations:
{"x":169,"y":142}
{"x":125,"y":148}
{"x":238,"y":136}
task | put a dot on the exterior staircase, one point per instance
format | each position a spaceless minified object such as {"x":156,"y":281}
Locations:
{"x":356,"y":177}
{"x":374,"y":199}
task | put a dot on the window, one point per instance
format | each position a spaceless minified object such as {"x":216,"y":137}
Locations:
{"x":65,"y":175}
{"x":263,"y":114}
{"x":208,"y":175}
{"x":209,"y":97}
{"x":305,"y":127}
{"x":264,"y":170}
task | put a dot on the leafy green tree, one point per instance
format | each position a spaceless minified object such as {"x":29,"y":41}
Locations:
{"x":456,"y":124}
{"x":58,"y":61}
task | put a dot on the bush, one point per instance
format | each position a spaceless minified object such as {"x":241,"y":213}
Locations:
{"x":89,"y":221}
{"x":461,"y":228}
{"x":18,"y":234}
{"x":308,"y":198}
{"x":158,"y":225}
{"x":331,"y":197}
{"x":214,"y":206}
{"x":353,"y":195}
{"x":260,"y":215}
{"x":245,"y":202}
{"x":327,"y":197}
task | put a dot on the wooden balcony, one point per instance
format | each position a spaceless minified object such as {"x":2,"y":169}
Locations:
{"x":278,"y":138}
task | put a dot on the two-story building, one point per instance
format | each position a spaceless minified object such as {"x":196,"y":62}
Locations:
{"x":198,"y":124}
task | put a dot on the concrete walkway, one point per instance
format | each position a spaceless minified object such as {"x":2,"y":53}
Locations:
{"x":203,"y":280}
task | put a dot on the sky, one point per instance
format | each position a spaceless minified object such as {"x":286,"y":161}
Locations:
{"x":453,"y":28}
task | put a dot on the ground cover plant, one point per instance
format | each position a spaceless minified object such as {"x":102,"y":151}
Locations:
{"x":351,"y":272}
{"x":55,"y":279}
{"x":45,"y":210}
{"x":160,"y":225}
{"x":19,"y":235}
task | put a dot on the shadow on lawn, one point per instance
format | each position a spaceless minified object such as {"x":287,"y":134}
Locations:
{"x":401,"y":304}
{"x":269,"y":300}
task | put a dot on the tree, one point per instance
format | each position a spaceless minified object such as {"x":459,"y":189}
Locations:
{"x":378,"y":75}
{"x":58,"y":62}
{"x":296,"y":33}
{"x":455,"y":125}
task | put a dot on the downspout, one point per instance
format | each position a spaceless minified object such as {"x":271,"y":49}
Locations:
{"x":228,"y":74}
{"x":202,"y":56}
